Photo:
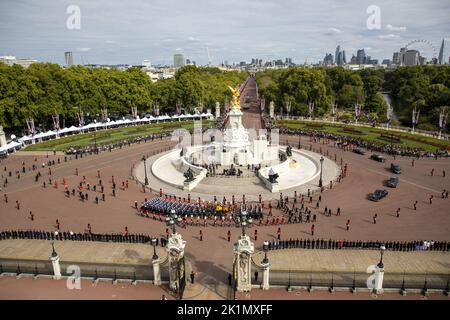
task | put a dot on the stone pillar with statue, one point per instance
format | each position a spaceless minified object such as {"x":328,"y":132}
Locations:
{"x":2,"y":137}
{"x":243,"y":251}
{"x":175,"y":251}
{"x":271,"y":109}
{"x":217,"y":109}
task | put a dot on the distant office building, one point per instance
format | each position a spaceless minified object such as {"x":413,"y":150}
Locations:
{"x":441,"y":59}
{"x":336,"y":54}
{"x":340,"y":59}
{"x":396,"y":58}
{"x":69,"y":58}
{"x":411,"y":58}
{"x":11,"y":60}
{"x":147,"y":64}
{"x":360,"y":56}
{"x":178,"y":60}
{"x":386,"y":61}
{"x":328,"y":60}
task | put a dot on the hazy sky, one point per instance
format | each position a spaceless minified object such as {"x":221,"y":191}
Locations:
{"x":130,"y":31}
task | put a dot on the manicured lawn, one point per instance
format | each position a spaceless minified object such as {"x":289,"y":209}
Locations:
{"x":370,"y":134}
{"x":112,"y":135}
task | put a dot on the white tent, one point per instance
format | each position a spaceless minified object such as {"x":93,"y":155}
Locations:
{"x":10,"y":146}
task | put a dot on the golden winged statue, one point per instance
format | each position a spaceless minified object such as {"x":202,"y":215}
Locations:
{"x":235,"y":101}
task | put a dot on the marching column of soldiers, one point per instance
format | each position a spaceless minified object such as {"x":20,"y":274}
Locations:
{"x":191,"y":212}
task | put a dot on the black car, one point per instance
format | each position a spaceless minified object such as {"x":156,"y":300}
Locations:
{"x":378,"y":194}
{"x":392,"y":182}
{"x":378,"y":158}
{"x":359,"y":151}
{"x":395,"y":168}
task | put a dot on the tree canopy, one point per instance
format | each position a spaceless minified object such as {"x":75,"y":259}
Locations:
{"x":426,"y":87}
{"x":45,"y":89}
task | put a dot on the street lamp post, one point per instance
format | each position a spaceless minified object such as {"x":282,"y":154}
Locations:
{"x":170,"y":221}
{"x":155,"y":256}
{"x":265,"y":261}
{"x":299,"y":141}
{"x":145,"y":170}
{"x":382,"y":249}
{"x":244,"y":221}
{"x":321,"y":169}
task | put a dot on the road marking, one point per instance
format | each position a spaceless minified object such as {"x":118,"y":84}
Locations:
{"x":406,"y":181}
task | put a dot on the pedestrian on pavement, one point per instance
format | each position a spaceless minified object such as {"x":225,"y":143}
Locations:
{"x":256,"y":276}
{"x":31,"y":216}
{"x":375,"y":218}
{"x":431,"y":199}
{"x":415,"y":205}
{"x":229,"y":235}
{"x":201,"y":235}
{"x":256,"y":234}
{"x":17,"y":205}
{"x":348,"y":225}
{"x":192,"y":276}
{"x":312,"y":230}
{"x":443,"y":173}
{"x":432,"y":172}
{"x":398,"y":213}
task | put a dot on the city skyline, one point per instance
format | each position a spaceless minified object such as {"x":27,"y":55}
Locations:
{"x":114,"y":33}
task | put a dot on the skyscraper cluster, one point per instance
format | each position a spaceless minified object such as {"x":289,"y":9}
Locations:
{"x":339,"y":57}
{"x":362,"y":58}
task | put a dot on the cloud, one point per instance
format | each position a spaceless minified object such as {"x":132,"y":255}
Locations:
{"x":390,"y":27}
{"x":193,"y":39}
{"x":110,"y":42}
{"x":83,"y":49}
{"x":389,"y":36}
{"x":333,"y":31}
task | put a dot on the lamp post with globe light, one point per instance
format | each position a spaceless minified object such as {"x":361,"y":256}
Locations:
{"x":145,"y":170}
{"x":382,"y":249}
{"x":155,"y":256}
{"x":244,"y":219}
{"x":321,"y":170}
